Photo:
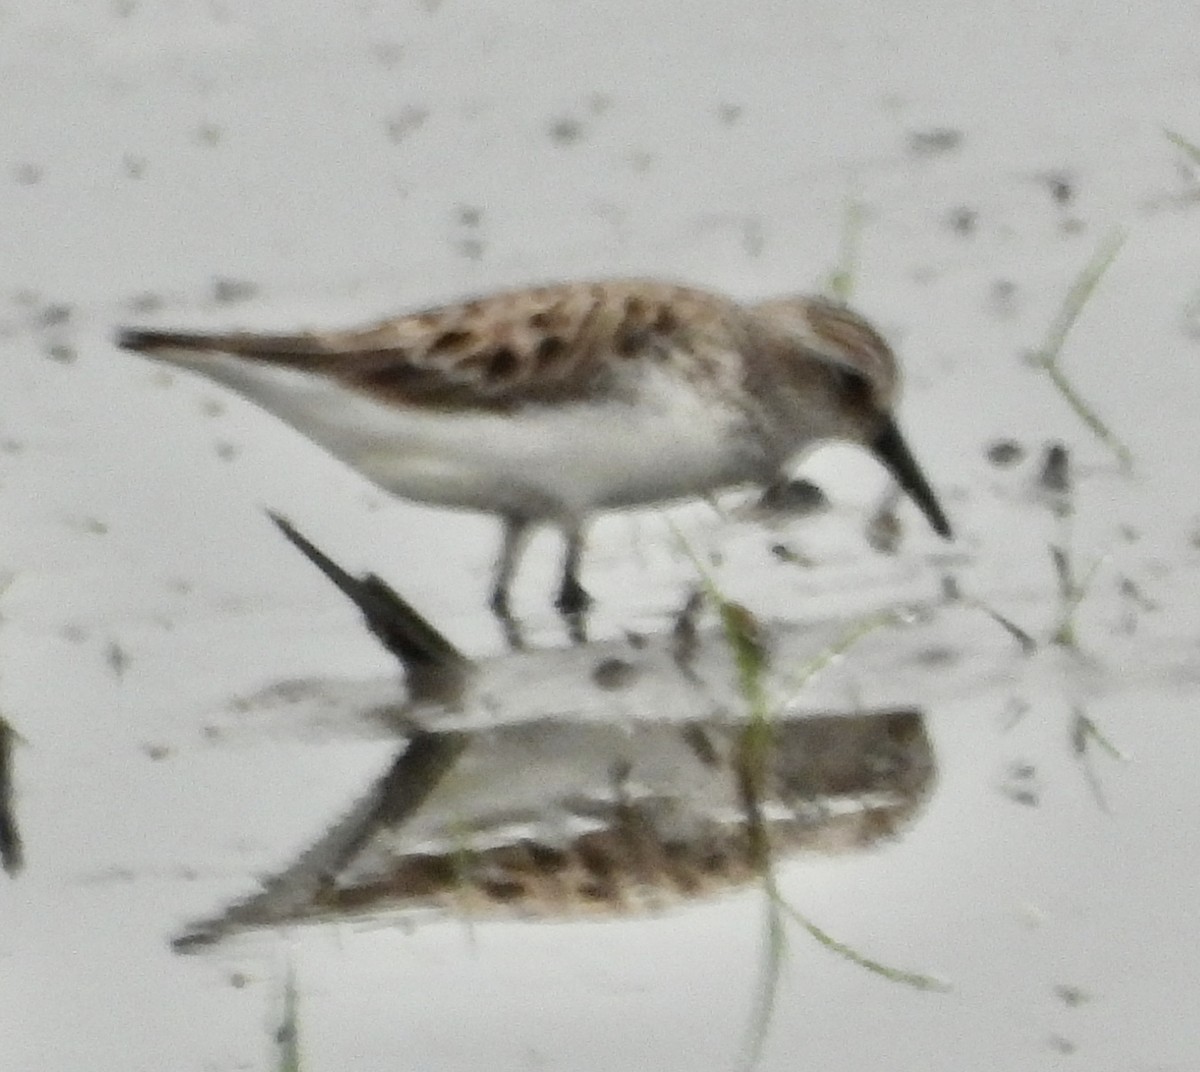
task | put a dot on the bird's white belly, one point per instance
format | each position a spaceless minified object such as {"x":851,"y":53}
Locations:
{"x":542,"y":461}
{"x":555,"y":462}
{"x":547,"y":463}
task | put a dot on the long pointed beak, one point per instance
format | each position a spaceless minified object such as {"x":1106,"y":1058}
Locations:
{"x":889,"y":447}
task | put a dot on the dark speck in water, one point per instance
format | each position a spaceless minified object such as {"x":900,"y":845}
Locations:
{"x":613,"y":674}
{"x":1056,"y":470}
{"x":1004,"y":452}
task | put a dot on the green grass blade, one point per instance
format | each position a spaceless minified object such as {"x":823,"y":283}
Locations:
{"x":287,"y":1038}
{"x":1079,"y":294}
{"x":841,"y":279}
{"x":1094,"y":423}
{"x":767,"y":991}
{"x":1048,"y":356}
{"x":857,"y":630}
{"x":744,"y":636}
{"x":1086,"y":730}
{"x":916,"y":980}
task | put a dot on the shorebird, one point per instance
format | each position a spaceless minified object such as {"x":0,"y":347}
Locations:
{"x":548,"y":404}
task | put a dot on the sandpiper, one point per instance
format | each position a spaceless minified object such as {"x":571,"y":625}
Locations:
{"x":548,"y":404}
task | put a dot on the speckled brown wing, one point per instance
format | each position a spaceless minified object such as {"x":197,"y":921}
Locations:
{"x":545,"y":344}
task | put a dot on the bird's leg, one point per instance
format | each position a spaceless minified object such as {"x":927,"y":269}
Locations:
{"x":516,"y":535}
{"x":572,"y":597}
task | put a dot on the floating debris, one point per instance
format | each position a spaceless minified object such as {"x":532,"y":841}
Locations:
{"x":729,"y":114}
{"x":1055,"y":474}
{"x":962,"y":220}
{"x":1020,"y":784}
{"x":55,"y":315}
{"x":28,"y":174}
{"x":469,"y":215}
{"x":613,"y":674}
{"x":117,"y":657}
{"x":145,"y":303}
{"x":1061,"y":1044}
{"x":387,"y":53}
{"x":566,"y":131}
{"x":1060,"y":185}
{"x":1071,"y":996}
{"x":407,"y":121}
{"x":1004,"y":453}
{"x":61,"y":352}
{"x":1002,"y":297}
{"x":232,"y":291}
{"x":785,"y":552}
{"x":935,"y":141}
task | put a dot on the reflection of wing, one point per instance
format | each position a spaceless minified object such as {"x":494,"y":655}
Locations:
{"x":618,"y":818}
{"x":296,"y":893}
{"x":542,"y":344}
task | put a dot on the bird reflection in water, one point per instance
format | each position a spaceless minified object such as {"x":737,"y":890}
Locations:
{"x":580,"y":817}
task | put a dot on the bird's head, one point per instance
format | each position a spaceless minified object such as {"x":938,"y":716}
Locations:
{"x":848,"y":371}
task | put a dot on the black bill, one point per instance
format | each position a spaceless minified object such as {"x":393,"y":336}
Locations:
{"x":889,"y":447}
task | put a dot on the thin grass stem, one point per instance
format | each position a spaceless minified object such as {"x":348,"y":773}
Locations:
{"x":842,"y":278}
{"x":287,"y":1037}
{"x":1048,"y":357}
{"x":916,"y":980}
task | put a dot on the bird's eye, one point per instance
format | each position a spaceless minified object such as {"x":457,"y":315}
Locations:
{"x":852,"y":386}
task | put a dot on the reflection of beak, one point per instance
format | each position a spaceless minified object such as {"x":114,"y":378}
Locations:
{"x":889,"y":447}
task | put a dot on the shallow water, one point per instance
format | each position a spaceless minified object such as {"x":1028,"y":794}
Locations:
{"x":283,"y":166}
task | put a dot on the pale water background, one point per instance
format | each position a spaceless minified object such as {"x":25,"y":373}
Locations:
{"x":273,"y":164}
